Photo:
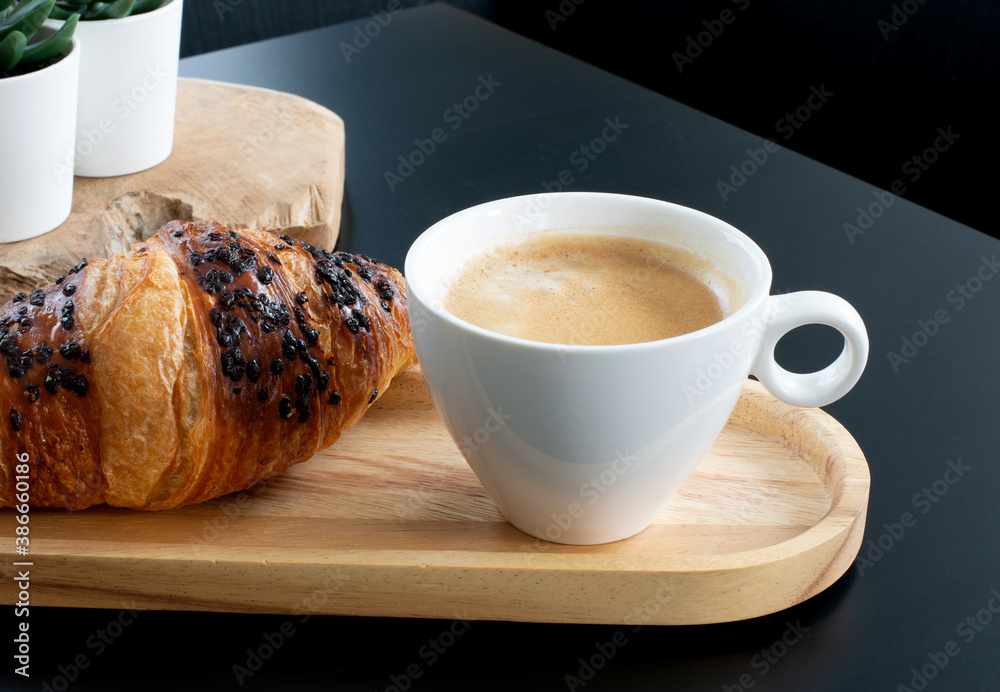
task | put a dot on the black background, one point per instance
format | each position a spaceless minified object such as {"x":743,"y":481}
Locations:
{"x":899,"y":70}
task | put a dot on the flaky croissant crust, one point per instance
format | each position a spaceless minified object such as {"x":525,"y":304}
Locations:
{"x":198,"y":364}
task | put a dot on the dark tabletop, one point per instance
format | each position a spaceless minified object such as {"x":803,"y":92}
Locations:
{"x":915,"y":608}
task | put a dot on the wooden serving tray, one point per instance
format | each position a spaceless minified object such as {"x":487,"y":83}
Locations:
{"x":391,"y":521}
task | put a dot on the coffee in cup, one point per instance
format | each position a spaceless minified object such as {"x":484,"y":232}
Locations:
{"x":588,"y":289}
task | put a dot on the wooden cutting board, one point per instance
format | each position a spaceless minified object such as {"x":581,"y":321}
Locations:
{"x":242,"y":156}
{"x":391,"y":521}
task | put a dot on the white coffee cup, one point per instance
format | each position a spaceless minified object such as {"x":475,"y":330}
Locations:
{"x":585,"y":444}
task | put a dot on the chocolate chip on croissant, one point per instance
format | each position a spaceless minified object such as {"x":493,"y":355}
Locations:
{"x":201,"y":362}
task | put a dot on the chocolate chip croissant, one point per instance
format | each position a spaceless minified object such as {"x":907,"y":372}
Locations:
{"x":196,"y":365}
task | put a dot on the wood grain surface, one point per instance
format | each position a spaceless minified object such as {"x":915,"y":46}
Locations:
{"x":391,"y":521}
{"x":242,"y":156}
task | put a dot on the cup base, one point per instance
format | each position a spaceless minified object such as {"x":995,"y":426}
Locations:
{"x":569,"y":537}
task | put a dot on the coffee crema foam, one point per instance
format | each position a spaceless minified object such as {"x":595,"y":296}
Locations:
{"x":586,"y":289}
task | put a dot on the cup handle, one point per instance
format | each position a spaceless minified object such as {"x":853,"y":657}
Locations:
{"x":832,"y":382}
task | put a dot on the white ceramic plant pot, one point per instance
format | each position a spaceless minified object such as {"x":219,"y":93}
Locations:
{"x":37,"y":126}
{"x":128,"y":92}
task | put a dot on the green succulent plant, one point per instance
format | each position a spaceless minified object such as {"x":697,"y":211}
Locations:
{"x":19,"y":20}
{"x":103,"y":10}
